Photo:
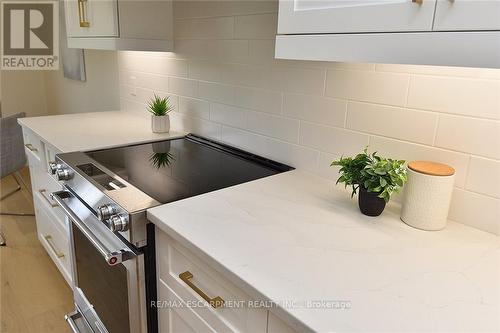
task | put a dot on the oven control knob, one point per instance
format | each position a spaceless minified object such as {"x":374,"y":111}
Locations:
{"x":104,"y":212}
{"x":63,"y":174}
{"x":53,"y":166}
{"x":118,"y":222}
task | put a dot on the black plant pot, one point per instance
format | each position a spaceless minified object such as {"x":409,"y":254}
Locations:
{"x":369,"y":202}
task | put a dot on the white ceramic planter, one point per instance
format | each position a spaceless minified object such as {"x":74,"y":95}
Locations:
{"x":160,"y":124}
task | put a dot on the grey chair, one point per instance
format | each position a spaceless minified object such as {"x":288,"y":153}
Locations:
{"x":12,"y":158}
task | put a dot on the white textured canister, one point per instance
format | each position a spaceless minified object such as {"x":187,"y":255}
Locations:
{"x":427,"y":195}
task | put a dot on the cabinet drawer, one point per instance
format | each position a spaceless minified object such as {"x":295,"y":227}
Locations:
{"x":234,"y":316}
{"x":33,"y":147}
{"x":43,"y":185}
{"x":54,"y":240}
{"x":276,"y":325}
{"x":177,"y":318}
{"x":47,"y":186}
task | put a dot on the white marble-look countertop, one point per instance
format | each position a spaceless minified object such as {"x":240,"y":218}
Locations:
{"x":294,"y":237}
{"x":95,"y":130}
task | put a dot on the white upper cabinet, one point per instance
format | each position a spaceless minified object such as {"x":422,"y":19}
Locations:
{"x":137,"y":25}
{"x":87,"y":18}
{"x":344,"y":16}
{"x":427,"y":32}
{"x":467,"y":15}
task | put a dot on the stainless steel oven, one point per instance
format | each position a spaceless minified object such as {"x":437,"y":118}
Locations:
{"x":108,"y":274}
{"x":107,"y":193}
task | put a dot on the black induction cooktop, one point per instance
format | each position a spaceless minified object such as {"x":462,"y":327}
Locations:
{"x":179,"y":168}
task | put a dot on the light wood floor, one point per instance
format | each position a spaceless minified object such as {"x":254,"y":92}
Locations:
{"x":34,"y":295}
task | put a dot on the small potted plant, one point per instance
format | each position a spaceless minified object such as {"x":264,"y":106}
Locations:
{"x":160,"y":108}
{"x":376,"y":178}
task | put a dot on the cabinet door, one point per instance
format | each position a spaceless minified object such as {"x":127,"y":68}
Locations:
{"x":453,"y":15}
{"x":91,"y":18}
{"x":344,"y":16}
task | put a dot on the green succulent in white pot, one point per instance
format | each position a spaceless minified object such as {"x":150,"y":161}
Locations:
{"x":160,"y":107}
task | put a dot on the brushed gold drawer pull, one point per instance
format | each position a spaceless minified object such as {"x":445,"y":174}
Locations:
{"x":48,"y":238}
{"x":82,"y":15}
{"x":418,"y":1}
{"x":215,"y":302}
{"x":42,"y":193}
{"x":30,"y":147}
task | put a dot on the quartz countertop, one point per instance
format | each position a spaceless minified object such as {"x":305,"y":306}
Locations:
{"x":295,"y":237}
{"x":95,"y":130}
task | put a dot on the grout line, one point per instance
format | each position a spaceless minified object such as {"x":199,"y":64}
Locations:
{"x":408,"y":90}
{"x":467,"y":171}
{"x":436,"y":127}
{"x":345,"y":113}
{"x":479,"y":193}
{"x":325,"y":71}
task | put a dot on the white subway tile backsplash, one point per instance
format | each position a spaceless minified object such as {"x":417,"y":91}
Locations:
{"x":233,"y":50}
{"x":225,"y":84}
{"x":196,"y":125}
{"x":300,"y":80}
{"x":401,"y":150}
{"x":291,"y":154}
{"x":261,"y":26}
{"x":258,"y":99}
{"x":273,"y":126}
{"x":466,"y":72}
{"x":245,"y":140}
{"x":196,"y":8}
{"x":476,"y":210}
{"x":471,"y":97}
{"x":484,"y":176}
{"x":475,"y":136}
{"x":194,"y":107}
{"x":333,"y":140}
{"x":261,"y":51}
{"x":391,"y":121}
{"x":228,"y":115}
{"x":216,"y":92}
{"x":156,"y":65}
{"x":183,"y":87}
{"x":196,"y":49}
{"x":243,"y":74}
{"x":206,"y":71}
{"x":368,"y":86}
{"x":205,"y":28}
{"x":321,"y":110}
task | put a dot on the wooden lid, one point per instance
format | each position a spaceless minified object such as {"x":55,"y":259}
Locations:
{"x":431,"y":168}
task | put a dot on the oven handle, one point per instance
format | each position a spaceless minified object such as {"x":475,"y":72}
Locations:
{"x":112,"y":257}
{"x":71,"y":320}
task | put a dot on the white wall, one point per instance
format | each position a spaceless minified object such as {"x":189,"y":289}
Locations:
{"x":98,"y":93}
{"x":226,"y":85}
{"x":23,"y":91}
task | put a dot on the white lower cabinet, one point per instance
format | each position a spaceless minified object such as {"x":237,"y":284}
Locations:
{"x":177,"y":319}
{"x":53,"y":238}
{"x":200,"y":281}
{"x":51,"y":223}
{"x":276,"y":325}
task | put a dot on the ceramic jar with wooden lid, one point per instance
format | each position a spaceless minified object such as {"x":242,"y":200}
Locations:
{"x":427,"y":195}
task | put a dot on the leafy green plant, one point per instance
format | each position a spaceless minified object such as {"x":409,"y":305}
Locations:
{"x":161,"y":160}
{"x":159,"y":106}
{"x":384,"y":176}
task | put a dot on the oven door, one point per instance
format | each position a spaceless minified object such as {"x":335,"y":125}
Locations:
{"x":108,"y":274}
